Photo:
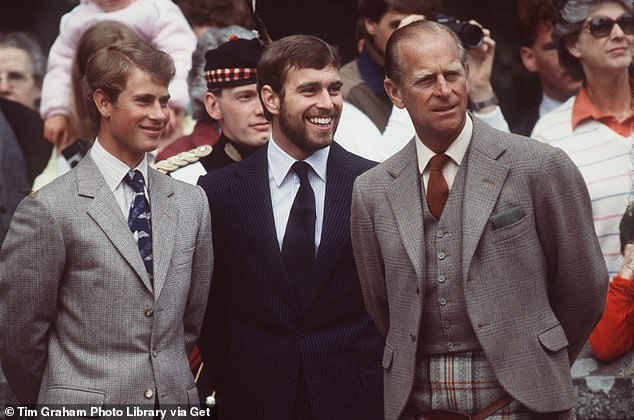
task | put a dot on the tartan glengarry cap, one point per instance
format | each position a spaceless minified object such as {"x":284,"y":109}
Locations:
{"x":232,"y":63}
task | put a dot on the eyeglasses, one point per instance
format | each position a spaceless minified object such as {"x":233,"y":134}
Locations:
{"x":601,"y":26}
{"x":14,"y":78}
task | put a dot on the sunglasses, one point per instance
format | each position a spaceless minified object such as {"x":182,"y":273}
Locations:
{"x":601,"y":26}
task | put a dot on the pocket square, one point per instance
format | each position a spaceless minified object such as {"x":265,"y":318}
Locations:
{"x":507,"y":217}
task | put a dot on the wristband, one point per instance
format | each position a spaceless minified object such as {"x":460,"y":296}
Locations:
{"x":493,"y":100}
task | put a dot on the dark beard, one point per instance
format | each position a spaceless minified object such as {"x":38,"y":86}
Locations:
{"x":294,"y":129}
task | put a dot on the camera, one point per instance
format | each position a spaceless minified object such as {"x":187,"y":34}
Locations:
{"x":470,"y":35}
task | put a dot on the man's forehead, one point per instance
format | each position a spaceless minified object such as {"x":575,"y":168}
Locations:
{"x":305,"y":75}
{"x":14,"y":57}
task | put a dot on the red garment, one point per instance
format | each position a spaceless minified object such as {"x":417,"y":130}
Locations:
{"x":583,"y":109}
{"x":614,"y":334}
{"x":205,"y":132}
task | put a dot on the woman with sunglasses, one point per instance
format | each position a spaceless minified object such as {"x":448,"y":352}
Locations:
{"x":594,"y":40}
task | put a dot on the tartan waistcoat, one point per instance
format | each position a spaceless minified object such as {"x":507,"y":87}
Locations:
{"x":445,"y":325}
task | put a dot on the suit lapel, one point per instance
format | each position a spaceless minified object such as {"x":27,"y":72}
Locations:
{"x":105,"y":211}
{"x":336,"y":223}
{"x":404,"y":197}
{"x":164,"y":220}
{"x":253,"y":203}
{"x":484,"y":180}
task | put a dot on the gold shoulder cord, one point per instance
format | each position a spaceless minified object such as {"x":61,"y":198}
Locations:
{"x":182,"y":159}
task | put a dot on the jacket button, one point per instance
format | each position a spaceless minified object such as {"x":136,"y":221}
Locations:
{"x":148,"y":393}
{"x":148,"y":312}
{"x":155,"y":352}
{"x":412,"y":336}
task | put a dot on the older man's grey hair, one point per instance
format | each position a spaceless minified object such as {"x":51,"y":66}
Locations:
{"x":393,"y":60}
{"x":196,"y":78}
{"x":28,"y":43}
{"x":572,"y":16}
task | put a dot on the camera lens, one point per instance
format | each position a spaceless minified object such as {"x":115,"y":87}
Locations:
{"x":471,"y":35}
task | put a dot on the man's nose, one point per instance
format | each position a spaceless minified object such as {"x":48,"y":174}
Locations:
{"x":325,"y":100}
{"x":442,"y":87}
{"x":5,"y":86}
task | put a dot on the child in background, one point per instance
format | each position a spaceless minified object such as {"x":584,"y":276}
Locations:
{"x":159,"y":22}
{"x":79,"y":124}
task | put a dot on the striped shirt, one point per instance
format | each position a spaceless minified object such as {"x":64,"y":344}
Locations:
{"x":605,"y":160}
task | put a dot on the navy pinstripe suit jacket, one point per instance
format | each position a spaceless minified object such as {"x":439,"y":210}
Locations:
{"x":257,"y":339}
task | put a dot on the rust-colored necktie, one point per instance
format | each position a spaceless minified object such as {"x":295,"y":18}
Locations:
{"x":437,"y":188}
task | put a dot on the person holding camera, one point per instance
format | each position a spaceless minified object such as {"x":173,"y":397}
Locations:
{"x":614,"y":334}
{"x":476,"y":253}
{"x":363,"y":77}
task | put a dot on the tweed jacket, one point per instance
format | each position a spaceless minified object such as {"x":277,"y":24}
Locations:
{"x":258,"y":339}
{"x":534,"y":284}
{"x":81,"y":322}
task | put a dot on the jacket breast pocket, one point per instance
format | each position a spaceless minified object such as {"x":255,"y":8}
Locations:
{"x":516,"y":228}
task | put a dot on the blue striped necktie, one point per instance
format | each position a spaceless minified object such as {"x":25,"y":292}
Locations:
{"x":140,"y":218}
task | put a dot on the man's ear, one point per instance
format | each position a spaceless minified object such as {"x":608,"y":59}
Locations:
{"x":270,"y":99}
{"x":391,"y":87}
{"x":103,"y":103}
{"x":370,"y":26}
{"x":212,"y":107}
{"x":528,"y":59}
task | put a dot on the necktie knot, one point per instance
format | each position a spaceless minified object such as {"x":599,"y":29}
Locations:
{"x":437,"y":162}
{"x":134,"y":178}
{"x":301,"y":169}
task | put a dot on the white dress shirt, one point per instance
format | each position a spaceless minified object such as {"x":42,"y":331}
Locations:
{"x":113,"y":171}
{"x":284,"y":184}
{"x":456,"y":152}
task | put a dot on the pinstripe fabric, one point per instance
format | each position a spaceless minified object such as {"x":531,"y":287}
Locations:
{"x":80,"y":321}
{"x":256,"y":335}
{"x":606,"y":161}
{"x":531,"y":297}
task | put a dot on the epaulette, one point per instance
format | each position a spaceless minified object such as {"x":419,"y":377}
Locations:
{"x":182,"y":159}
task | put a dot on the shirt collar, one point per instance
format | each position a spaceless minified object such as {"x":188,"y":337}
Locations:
{"x":456,"y":150}
{"x":112,"y":169}
{"x":548,"y":104}
{"x":280,"y":162}
{"x":583,"y":109}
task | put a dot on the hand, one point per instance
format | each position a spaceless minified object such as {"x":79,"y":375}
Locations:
{"x":480,"y":69}
{"x":57,"y":131}
{"x":627,"y":269}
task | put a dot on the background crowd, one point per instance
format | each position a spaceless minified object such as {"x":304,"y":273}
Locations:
{"x":514,"y":81}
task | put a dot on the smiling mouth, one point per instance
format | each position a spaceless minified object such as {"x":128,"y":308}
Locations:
{"x":323,"y":122}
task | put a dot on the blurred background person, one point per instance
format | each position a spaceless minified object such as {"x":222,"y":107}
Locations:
{"x":232,"y":101}
{"x":22,"y":65}
{"x":614,"y":335}
{"x":539,"y":56}
{"x":363,"y":78}
{"x":203,"y":15}
{"x":159,"y":22}
{"x":594,"y":40}
{"x":205,"y":130}
{"x":81,"y":127}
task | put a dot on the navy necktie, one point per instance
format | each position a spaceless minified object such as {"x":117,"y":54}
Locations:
{"x":140,"y":218}
{"x":298,"y":247}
